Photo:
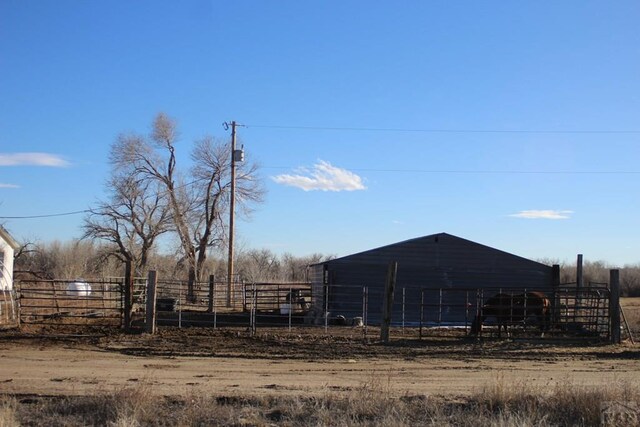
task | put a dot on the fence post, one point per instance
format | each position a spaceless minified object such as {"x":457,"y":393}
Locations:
{"x":404,"y":300}
{"x":290,"y":305}
{"x":326,"y":309}
{"x":466,"y":312}
{"x":191,"y":293}
{"x":212,"y":283}
{"x":614,"y":306}
{"x":421,"y":312}
{"x":387,"y":302}
{"x":255,"y":310}
{"x":128,"y":295}
{"x":150,"y":326}
{"x":555,"y":301}
{"x":577,"y":309}
{"x":440,"y":308}
{"x":180,"y":305}
{"x":365,"y":311}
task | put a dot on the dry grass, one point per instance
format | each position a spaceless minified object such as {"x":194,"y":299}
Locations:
{"x":631,"y":307}
{"x":371,"y":404}
{"x":560,"y":404}
{"x":8,"y":412}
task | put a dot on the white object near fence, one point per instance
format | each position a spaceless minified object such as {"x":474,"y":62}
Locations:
{"x":285,"y":308}
{"x":79,"y":289}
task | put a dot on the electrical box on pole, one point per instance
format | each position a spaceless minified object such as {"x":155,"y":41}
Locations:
{"x":238,"y":155}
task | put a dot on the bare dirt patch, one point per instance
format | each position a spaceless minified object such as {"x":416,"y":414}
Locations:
{"x":298,"y":362}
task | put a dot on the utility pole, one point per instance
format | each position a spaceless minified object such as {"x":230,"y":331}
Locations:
{"x":235,"y":156}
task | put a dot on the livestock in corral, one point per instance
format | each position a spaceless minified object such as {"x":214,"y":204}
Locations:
{"x":535,"y":307}
{"x":525,"y":308}
{"x":296,"y":301}
{"x":499,"y":307}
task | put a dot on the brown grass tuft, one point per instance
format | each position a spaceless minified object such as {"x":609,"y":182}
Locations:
{"x":8,"y":412}
{"x":371,"y":404}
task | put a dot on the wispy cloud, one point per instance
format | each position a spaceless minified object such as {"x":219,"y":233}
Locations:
{"x":324,"y":177}
{"x":32,"y":159}
{"x":8,"y":185}
{"x":543,"y":214}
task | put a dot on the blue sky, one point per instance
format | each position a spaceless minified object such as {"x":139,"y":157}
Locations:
{"x":513,"y":124}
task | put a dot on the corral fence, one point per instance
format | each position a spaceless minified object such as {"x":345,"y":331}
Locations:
{"x":101,"y":302}
{"x":417,"y":311}
{"x":70,"y":302}
{"x":583,"y":310}
{"x":575,"y":313}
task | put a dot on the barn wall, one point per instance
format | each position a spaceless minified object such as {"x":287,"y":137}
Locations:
{"x":438,"y":261}
{"x":317,"y":284}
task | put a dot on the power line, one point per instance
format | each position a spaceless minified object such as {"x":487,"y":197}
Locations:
{"x":46,"y":215}
{"x":461,"y":171}
{"x":418,"y":130}
{"x":426,"y":171}
{"x":163,"y":192}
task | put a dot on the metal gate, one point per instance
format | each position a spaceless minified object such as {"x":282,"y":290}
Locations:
{"x":583,"y":311}
{"x":576,"y":313}
{"x":71,"y":302}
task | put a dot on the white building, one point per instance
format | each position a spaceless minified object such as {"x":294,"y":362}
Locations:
{"x":7,"y":247}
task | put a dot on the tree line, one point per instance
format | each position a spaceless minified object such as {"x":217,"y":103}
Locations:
{"x":86,"y":259}
{"x":90,"y":259}
{"x":151,"y":195}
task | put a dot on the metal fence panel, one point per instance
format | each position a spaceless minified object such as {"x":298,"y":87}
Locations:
{"x":70,"y":302}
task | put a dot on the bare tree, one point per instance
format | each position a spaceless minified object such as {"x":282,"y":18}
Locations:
{"x":295,"y":268}
{"x":196,"y":207}
{"x":58,"y":260}
{"x":212,"y":173}
{"x":259,"y":265}
{"x":135,"y":215}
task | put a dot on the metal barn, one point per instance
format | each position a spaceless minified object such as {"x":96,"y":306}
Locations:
{"x":440,"y":278}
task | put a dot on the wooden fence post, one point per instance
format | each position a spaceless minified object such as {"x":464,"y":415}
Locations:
{"x":191,"y":292}
{"x":128,"y":295}
{"x":614,"y":306}
{"x":150,"y":325}
{"x":579,"y":275}
{"x":387,"y":302}
{"x":212,"y":294}
{"x":577,"y":304}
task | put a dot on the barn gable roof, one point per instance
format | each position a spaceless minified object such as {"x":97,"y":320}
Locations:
{"x":440,"y":250}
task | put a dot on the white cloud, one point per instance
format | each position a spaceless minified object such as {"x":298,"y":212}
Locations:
{"x":32,"y":159}
{"x":323,"y":176}
{"x":543,"y":214}
{"x":8,"y":185}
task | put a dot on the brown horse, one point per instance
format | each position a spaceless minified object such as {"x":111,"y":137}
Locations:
{"x":514,"y":309}
{"x":498,"y":307}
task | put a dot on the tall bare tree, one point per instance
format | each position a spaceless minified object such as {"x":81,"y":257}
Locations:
{"x":197,"y":206}
{"x":135,"y":215}
{"x":212,"y":173}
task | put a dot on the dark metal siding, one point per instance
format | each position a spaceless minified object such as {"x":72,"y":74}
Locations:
{"x":436,"y":261}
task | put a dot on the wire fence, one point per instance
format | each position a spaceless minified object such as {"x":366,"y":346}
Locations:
{"x":417,"y":311}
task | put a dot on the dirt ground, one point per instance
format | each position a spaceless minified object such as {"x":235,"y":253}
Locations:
{"x":279,"y":361}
